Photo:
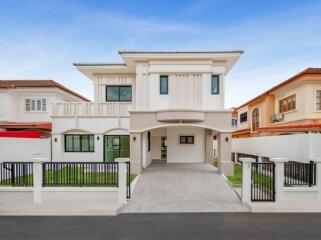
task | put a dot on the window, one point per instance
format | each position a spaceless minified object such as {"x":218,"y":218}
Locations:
{"x":255,"y":119}
{"x":215,"y":84}
{"x":234,"y":122}
{"x":79,"y":143}
{"x":163,"y":84}
{"x":186,"y":139}
{"x":287,"y":104}
{"x":118,"y":93}
{"x":36,"y":105}
{"x":243,"y":117}
{"x":116,"y":146}
{"x":318,"y":100}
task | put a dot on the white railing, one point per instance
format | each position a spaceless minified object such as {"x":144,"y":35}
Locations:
{"x":107,"y":109}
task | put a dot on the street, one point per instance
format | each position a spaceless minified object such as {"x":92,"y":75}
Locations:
{"x":165,"y":226}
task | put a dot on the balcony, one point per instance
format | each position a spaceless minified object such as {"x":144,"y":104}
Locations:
{"x":91,"y":109}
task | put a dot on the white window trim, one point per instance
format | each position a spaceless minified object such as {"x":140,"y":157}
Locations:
{"x":35,"y":98}
{"x":315,"y":100}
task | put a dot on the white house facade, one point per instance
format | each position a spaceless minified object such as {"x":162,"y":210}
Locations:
{"x":164,"y":106}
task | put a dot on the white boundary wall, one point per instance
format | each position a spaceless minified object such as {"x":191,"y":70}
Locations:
{"x":298,"y":147}
{"x":23,"y":149}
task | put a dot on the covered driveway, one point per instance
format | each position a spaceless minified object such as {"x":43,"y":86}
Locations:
{"x":190,"y":187}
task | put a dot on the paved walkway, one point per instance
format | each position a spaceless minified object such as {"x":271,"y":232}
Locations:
{"x":183,"y":188}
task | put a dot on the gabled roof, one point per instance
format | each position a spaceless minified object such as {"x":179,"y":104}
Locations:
{"x":11,"y":84}
{"x":306,"y":71}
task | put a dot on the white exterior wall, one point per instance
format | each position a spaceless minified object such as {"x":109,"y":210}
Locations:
{"x":189,"y":86}
{"x":12,"y":107}
{"x":23,"y":149}
{"x":179,"y":153}
{"x":298,"y":147}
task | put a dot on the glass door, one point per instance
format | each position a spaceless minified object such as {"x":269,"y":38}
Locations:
{"x":116,"y":146}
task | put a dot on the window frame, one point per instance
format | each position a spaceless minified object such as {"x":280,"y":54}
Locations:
{"x":217,"y":77}
{"x":241,"y":117}
{"x":234,"y":122}
{"x":286,"y":104}
{"x":316,"y":95}
{"x":255,"y":125}
{"x":43,"y":102}
{"x":80,"y":142}
{"x":181,"y":137}
{"x":119,"y":87}
{"x":161,"y":77}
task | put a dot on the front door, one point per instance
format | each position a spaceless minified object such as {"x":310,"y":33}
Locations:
{"x":116,"y":146}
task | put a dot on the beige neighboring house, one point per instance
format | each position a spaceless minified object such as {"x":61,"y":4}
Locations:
{"x":292,"y":106}
{"x":155,"y":106}
{"x":284,"y":121}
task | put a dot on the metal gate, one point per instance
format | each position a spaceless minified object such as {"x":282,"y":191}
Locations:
{"x":263,"y":181}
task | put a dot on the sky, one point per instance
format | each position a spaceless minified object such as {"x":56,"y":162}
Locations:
{"x":41,"y":39}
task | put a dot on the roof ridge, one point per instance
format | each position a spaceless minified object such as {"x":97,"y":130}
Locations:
{"x":179,"y":51}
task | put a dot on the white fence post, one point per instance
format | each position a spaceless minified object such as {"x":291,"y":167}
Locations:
{"x":317,"y":161}
{"x":37,"y":178}
{"x":279,"y":177}
{"x":122,"y":179}
{"x":246,"y":179}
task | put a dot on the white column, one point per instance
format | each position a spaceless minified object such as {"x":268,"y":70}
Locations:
{"x":259,"y":159}
{"x":246,"y":179}
{"x":122,"y":180}
{"x":318,"y":176}
{"x":279,"y":177}
{"x":37,"y":178}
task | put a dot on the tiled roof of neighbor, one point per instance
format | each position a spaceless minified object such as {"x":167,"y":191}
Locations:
{"x":176,"y":52}
{"x":7,"y":84}
{"x":99,"y":64}
{"x":306,"y":71}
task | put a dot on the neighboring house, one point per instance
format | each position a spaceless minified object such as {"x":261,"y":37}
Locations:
{"x":273,"y":124}
{"x":292,"y":106}
{"x":163,"y":106}
{"x":26,"y":105}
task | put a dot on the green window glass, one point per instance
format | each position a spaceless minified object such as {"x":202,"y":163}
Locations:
{"x":79,"y":143}
{"x":163,"y":85}
{"x":116,"y":146}
{"x":215,"y":84}
{"x":118,"y":93}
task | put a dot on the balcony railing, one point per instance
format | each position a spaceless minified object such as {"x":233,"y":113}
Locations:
{"x":87,"y":109}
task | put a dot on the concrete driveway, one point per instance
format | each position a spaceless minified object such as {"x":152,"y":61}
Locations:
{"x":195,"y":187}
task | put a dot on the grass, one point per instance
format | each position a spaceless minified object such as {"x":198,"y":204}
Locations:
{"x":237,"y":178}
{"x":69,"y":177}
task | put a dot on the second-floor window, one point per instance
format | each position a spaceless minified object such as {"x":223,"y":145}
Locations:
{"x":255,"y":119}
{"x":243,"y":117}
{"x":79,"y":143}
{"x":318,"y":100}
{"x":163,"y":84}
{"x":215,"y":84}
{"x":287,"y":104}
{"x":234,"y":122}
{"x":118,"y":93}
{"x":36,"y":104}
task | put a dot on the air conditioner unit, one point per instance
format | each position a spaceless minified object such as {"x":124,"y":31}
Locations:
{"x":277,"y":117}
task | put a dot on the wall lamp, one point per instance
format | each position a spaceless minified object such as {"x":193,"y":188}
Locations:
{"x":97,"y":138}
{"x":55,"y":139}
{"x":134,"y":139}
{"x":226,"y":139}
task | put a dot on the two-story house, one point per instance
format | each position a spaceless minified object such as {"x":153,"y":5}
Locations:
{"x":284,"y":121}
{"x":26,"y":105}
{"x":293,"y":106}
{"x":156,"y":105}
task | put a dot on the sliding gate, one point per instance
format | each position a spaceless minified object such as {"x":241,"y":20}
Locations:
{"x":263,"y":181}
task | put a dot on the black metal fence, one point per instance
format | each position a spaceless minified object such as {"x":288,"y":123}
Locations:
{"x":262,"y":181}
{"x":300,"y":174}
{"x":16,"y":174}
{"x":83,"y":174}
{"x":80,"y":174}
